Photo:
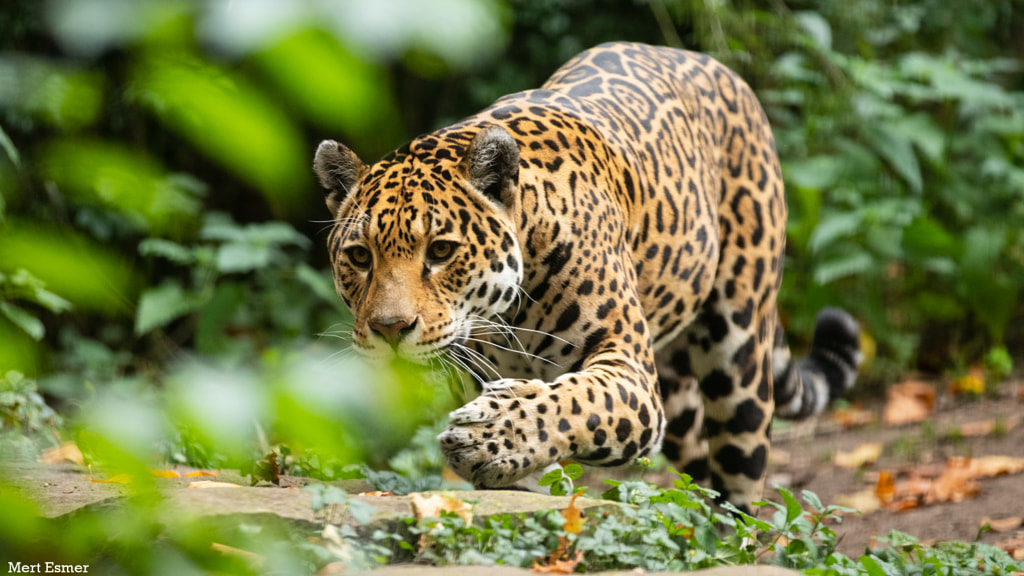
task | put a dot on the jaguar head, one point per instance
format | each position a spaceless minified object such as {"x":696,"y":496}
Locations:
{"x":423,"y":245}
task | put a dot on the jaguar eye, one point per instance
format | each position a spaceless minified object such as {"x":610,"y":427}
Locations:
{"x":359,"y":256}
{"x":440,"y":250}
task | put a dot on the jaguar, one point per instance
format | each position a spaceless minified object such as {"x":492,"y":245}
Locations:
{"x":604,"y":253}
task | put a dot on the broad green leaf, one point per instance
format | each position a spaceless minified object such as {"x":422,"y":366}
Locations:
{"x":161,"y":305}
{"x":982,"y":247}
{"x":275,"y":233}
{"x":925,"y":238}
{"x":833,"y":227}
{"x":312,"y":64}
{"x":847,"y":262}
{"x":60,"y":96}
{"x":920,"y":129}
{"x":240,"y":257}
{"x":168,"y":250}
{"x":871,"y":566}
{"x":818,"y":172}
{"x":88,"y":275}
{"x":574,"y":471}
{"x":24,"y":320}
{"x":117,"y":178}
{"x":897,"y":151}
{"x":793,"y":508}
{"x":319,"y":282}
{"x":992,"y":298}
{"x":812,"y":499}
{"x":9,"y":149}
{"x":816,"y":27}
{"x":215,"y":315}
{"x":33,"y":289}
{"x":551,"y":477}
{"x":230,"y":120}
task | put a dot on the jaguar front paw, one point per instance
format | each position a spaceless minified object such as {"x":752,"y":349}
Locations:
{"x":502,"y":436}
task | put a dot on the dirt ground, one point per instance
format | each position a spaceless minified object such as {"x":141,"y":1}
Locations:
{"x":804,"y":460}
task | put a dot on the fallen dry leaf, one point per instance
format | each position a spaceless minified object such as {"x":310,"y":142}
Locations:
{"x":558,"y":565}
{"x":863,"y":455}
{"x":885,"y":488}
{"x":116,"y":479}
{"x":866,"y":501}
{"x":1014,"y":547}
{"x":574,"y":519}
{"x":1003,"y":524}
{"x":376,"y":493}
{"x":212,"y":484}
{"x":202,"y":473}
{"x":957,"y":481}
{"x":980,"y":428}
{"x":909,"y":402}
{"x":853,"y":417}
{"x":433,"y":506}
{"x":996,"y":466}
{"x":971,"y":384}
{"x":268,"y":468}
{"x":250,"y":557}
{"x":165,"y":474}
{"x":956,"y":484}
{"x":65,"y":451}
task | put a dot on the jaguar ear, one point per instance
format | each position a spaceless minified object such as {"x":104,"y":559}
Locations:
{"x":338,"y":169}
{"x":492,"y":164}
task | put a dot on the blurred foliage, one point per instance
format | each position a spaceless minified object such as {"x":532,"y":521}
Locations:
{"x":163,"y":276}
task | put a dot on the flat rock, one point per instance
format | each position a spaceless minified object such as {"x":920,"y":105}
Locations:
{"x":64,"y":488}
{"x":511,"y":571}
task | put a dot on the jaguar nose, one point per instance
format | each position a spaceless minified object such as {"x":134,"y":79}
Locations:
{"x":392,"y":330}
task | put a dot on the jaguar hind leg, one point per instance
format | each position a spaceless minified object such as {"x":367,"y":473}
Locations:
{"x":685,"y":444}
{"x":727,"y":352}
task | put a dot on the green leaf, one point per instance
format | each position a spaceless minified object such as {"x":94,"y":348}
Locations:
{"x":242,"y":257}
{"x":897,"y":151}
{"x":274,"y":234}
{"x":982,"y":247}
{"x":312,"y":63}
{"x":34,"y":289}
{"x":22,"y":319}
{"x":923,"y":133}
{"x":230,"y":120}
{"x":816,"y":27}
{"x":848,"y":262}
{"x":993,"y":298}
{"x":90,"y":275}
{"x":574,"y":471}
{"x":833,"y":227}
{"x":320,"y":283}
{"x":160,"y":305}
{"x":9,"y":148}
{"x":215,"y":315}
{"x":812,"y":499}
{"x":793,"y":508}
{"x":871,"y":566}
{"x":168,"y":250}
{"x":925,"y":238}
{"x":551,"y":477}
{"x":120,"y":178}
{"x":817,"y":172}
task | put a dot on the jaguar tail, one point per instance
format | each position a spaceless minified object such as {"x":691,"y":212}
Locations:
{"x":805,"y":386}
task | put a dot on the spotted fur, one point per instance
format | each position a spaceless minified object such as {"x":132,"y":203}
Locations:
{"x":605,"y":252}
